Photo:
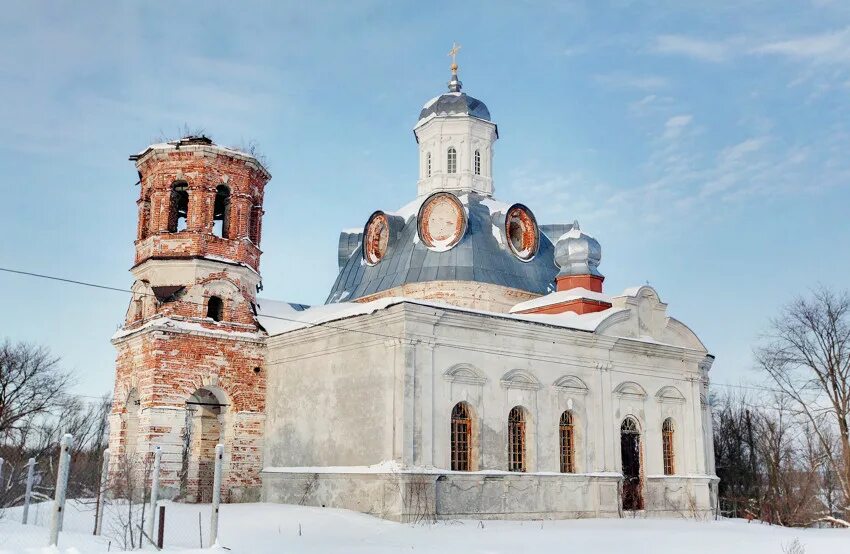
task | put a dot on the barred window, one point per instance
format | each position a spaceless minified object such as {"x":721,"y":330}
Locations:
{"x":461,"y":437}
{"x":667,"y":430}
{"x":428,"y":164}
{"x":451,"y":161}
{"x":568,"y":443}
{"x":516,"y":439}
{"x":477,"y":162}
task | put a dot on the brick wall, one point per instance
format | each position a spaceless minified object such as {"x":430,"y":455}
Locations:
{"x":183,"y":381}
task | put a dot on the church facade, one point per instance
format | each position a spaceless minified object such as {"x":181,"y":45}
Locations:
{"x":466,"y":364}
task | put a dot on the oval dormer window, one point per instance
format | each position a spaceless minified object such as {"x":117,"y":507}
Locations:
{"x":442,"y":221}
{"x":522,"y":233}
{"x":376,"y":238}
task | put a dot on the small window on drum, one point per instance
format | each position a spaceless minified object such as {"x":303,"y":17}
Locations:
{"x":478,"y":162}
{"x":522,"y":232}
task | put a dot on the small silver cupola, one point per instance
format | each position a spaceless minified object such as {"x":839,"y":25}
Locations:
{"x":577,"y":253}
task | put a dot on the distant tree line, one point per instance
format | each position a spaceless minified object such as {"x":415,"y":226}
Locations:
{"x":36,"y":409}
{"x":784,"y":456}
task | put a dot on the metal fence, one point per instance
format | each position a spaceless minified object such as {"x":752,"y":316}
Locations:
{"x":72,"y":491}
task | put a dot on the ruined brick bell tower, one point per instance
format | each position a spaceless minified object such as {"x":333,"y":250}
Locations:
{"x":189,"y":369}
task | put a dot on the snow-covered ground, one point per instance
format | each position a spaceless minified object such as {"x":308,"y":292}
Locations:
{"x":274,"y":528}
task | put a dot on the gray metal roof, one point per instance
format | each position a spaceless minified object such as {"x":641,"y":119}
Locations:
{"x":479,"y":257}
{"x":455,"y":103}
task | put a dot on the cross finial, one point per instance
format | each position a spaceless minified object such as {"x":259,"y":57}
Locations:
{"x":453,"y":53}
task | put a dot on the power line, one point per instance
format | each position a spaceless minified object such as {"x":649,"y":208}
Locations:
{"x":326,"y":325}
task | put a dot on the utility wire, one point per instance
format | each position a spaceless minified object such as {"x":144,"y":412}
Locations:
{"x":326,"y":325}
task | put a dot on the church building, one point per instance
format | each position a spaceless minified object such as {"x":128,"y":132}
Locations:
{"x":466,"y":363}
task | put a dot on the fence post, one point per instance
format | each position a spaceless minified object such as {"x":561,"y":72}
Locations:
{"x":101,"y":495}
{"x":157,"y":456}
{"x":161,"y":529}
{"x":216,"y":499}
{"x":28,"y":492}
{"x":61,"y":489}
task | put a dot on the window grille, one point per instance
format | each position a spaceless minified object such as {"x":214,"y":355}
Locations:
{"x":667,"y":445}
{"x":516,"y":440}
{"x":567,"y":434}
{"x":477,"y":162}
{"x":461,"y":437}
{"x":428,"y":164}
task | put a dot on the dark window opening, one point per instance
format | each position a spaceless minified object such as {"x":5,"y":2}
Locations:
{"x":215,"y":308}
{"x":178,"y":216}
{"x":221,"y":212}
{"x":461,"y":437}
{"x":516,"y":440}
{"x":568,"y":440}
{"x":630,"y":457}
{"x":477,"y":162}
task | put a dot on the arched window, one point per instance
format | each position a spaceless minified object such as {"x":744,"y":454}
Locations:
{"x":630,"y":452}
{"x":478,"y":162}
{"x":566,"y":432}
{"x":221,"y":211}
{"x":451,"y":160}
{"x":667,"y":430}
{"x":516,"y":439}
{"x":215,"y":308}
{"x":461,"y":437}
{"x":428,"y":164}
{"x":178,"y":215}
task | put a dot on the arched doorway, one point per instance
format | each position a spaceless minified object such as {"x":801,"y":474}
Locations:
{"x":204,"y":422}
{"x":631,"y":459}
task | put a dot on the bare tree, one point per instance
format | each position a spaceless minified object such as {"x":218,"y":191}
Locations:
{"x":807,"y":354}
{"x":31,"y":384}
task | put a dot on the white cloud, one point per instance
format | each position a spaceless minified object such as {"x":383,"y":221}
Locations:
{"x":676,"y":124}
{"x":737,"y":152}
{"x":824,"y":48}
{"x":699,"y":49}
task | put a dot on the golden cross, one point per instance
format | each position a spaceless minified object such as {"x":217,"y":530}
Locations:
{"x":453,"y":52}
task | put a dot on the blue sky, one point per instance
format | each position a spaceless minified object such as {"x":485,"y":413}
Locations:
{"x":705,"y":144}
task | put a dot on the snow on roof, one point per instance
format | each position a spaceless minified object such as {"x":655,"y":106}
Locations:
{"x":631,"y":291}
{"x":327,"y":313}
{"x":575,"y":233}
{"x":187,"y":326}
{"x":560,"y":297}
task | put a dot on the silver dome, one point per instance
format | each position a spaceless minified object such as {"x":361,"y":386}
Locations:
{"x":454,"y":103}
{"x":577,"y":253}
